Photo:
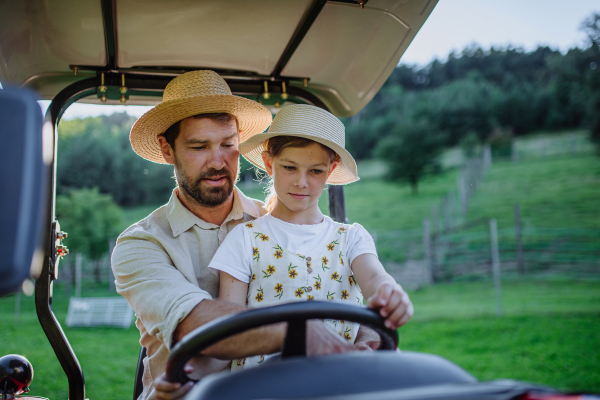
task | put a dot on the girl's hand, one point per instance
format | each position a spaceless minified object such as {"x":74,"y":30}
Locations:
{"x":393,"y":304}
{"x":166,"y":390}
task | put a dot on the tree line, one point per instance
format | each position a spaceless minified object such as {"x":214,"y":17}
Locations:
{"x":478,"y":96}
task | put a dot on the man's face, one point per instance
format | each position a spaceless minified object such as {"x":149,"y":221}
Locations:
{"x":206,"y":159}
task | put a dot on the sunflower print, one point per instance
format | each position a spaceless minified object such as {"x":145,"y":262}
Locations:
{"x":255,"y":254}
{"x":341,"y":258}
{"x":324,"y":262}
{"x":253,"y":277}
{"x":347,"y":334}
{"x":278,"y":252}
{"x":299,"y":292}
{"x":317,"y":284}
{"x":341,"y":230}
{"x":331,"y":246}
{"x":279,"y":289}
{"x":335,"y":276}
{"x":345,"y":295}
{"x":241,"y":362}
{"x":309,"y":297}
{"x":260,"y":295}
{"x":270,"y":271}
{"x":352,"y":280}
{"x":292,"y":271}
{"x":262,"y":236}
{"x":249,"y":225}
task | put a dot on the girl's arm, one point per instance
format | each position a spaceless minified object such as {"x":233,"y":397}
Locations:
{"x":381,"y":291}
{"x":232,"y":290}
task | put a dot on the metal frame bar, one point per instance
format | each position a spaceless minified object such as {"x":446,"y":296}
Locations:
{"x":301,"y":30}
{"x":109,"y":16}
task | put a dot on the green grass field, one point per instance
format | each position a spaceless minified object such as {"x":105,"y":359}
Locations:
{"x":557,"y":191}
{"x":548,"y":335}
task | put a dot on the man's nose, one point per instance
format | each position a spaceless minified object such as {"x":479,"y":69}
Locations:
{"x":217,"y":159}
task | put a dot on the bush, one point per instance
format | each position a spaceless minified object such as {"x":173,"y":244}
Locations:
{"x":91,"y":219}
{"x":411,"y":152}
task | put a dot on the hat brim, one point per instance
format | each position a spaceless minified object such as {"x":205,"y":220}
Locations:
{"x":344,"y":173}
{"x":253,"y":118}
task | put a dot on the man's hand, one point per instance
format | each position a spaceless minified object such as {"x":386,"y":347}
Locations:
{"x":393,"y":304}
{"x":320,"y":340}
{"x":165,"y":390}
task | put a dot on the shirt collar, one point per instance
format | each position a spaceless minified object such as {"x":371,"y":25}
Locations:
{"x":181,"y":219}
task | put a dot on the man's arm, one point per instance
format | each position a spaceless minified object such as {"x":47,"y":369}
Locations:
{"x":263,"y":340}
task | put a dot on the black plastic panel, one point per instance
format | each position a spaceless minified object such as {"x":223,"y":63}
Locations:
{"x":22,"y":184}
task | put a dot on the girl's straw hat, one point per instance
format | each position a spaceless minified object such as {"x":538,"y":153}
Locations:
{"x":309,"y":122}
{"x":196,"y":92}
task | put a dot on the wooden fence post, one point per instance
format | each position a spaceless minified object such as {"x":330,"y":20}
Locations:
{"x":428,"y":250}
{"x":519,"y":240}
{"x":496,"y":265}
{"x":462,"y":194}
{"x":435,"y":218}
{"x":487,"y":156}
{"x":78,"y":266}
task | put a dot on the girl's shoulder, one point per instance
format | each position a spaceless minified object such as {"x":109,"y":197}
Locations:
{"x":343,"y":228}
{"x":255,"y":224}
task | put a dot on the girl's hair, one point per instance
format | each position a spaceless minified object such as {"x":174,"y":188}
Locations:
{"x":275,"y":145}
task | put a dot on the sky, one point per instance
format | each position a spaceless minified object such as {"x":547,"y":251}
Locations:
{"x":455,"y":24}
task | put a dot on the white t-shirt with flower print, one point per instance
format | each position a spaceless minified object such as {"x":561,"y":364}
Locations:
{"x":234,"y":255}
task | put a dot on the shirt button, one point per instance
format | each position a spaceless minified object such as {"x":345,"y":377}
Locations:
{"x":309,"y":288}
{"x":308,"y":258}
{"x":310,"y":270}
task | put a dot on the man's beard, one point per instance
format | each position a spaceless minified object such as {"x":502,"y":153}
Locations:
{"x":207,"y":196}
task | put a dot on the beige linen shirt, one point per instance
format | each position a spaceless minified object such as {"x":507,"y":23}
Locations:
{"x":161,"y":267}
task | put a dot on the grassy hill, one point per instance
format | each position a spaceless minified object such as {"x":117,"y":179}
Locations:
{"x":556,"y":182}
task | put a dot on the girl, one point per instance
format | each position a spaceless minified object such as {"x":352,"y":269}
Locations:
{"x":294,"y":252}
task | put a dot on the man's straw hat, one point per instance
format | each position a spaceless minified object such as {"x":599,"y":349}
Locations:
{"x":192,"y":93}
{"x":309,"y":122}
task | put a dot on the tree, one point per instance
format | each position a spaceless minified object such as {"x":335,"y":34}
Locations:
{"x":95,"y":152}
{"x":411,"y":151}
{"x":591,"y":27}
{"x":91,"y":219}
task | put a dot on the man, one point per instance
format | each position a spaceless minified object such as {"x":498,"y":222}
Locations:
{"x":160,"y":263}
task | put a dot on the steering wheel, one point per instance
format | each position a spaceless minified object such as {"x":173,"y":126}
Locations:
{"x":295,"y":314}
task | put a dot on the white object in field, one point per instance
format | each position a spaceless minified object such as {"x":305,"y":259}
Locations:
{"x":99,"y":311}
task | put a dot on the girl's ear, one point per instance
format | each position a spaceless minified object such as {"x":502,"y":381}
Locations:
{"x":268,"y":161}
{"x":332,"y":167}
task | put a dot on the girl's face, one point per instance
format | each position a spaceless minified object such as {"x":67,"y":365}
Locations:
{"x":299,"y":176}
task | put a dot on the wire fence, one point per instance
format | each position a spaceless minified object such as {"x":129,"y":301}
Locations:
{"x":78,"y":273}
{"x":468,"y":251}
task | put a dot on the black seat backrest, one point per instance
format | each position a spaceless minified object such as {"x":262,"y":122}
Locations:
{"x":138,"y":387}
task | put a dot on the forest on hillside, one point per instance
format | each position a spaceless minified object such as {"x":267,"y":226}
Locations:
{"x":480,"y":92}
